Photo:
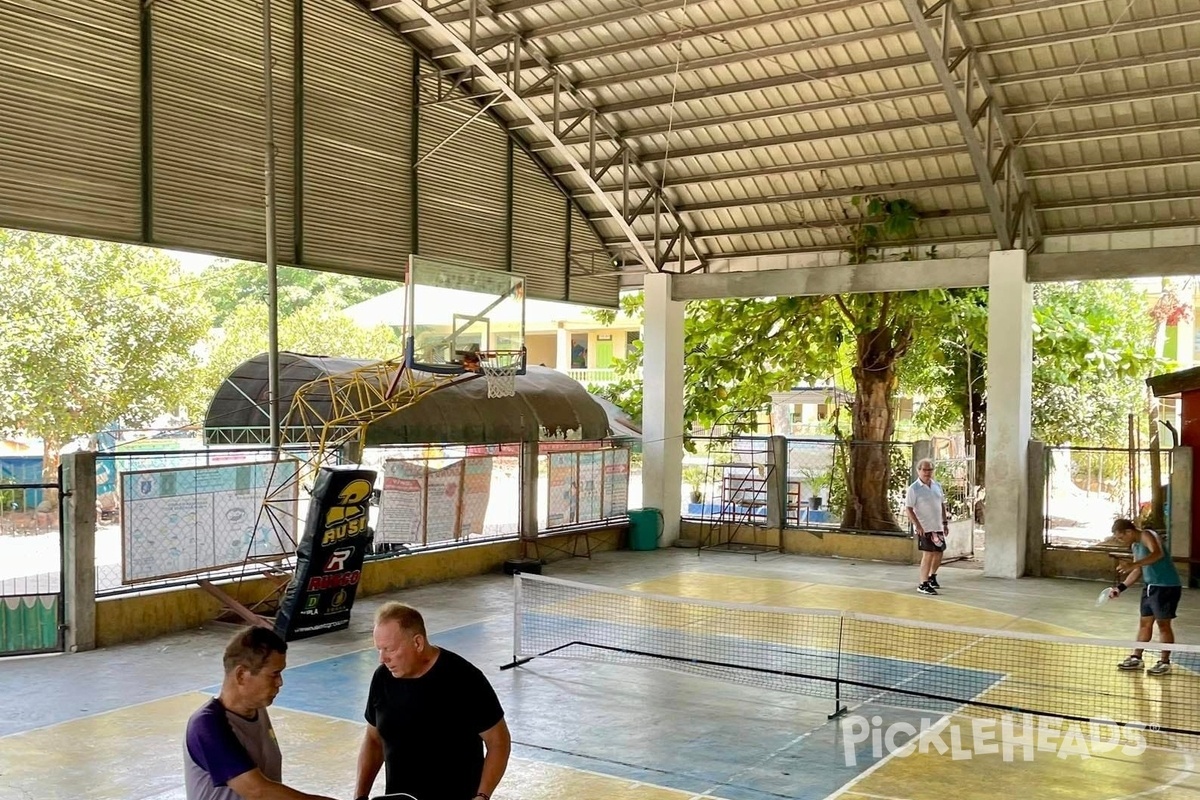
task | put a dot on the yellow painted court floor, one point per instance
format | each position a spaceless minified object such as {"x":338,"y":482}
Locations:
{"x":109,"y":724}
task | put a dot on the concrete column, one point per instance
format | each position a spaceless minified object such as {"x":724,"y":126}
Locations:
{"x":562,"y":352}
{"x":922,"y":448}
{"x":529,"y":490}
{"x":1180,"y":538}
{"x":1035,"y":530}
{"x":79,"y":550}
{"x":662,"y":403}
{"x":777,"y":469}
{"x":1009,"y":384}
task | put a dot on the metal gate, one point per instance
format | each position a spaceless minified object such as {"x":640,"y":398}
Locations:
{"x":31,"y":568}
{"x":956,"y":474}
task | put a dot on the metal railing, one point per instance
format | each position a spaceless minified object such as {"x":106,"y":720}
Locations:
{"x":598,"y":376}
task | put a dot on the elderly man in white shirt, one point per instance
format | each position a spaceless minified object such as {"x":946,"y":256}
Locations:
{"x":926,"y":506}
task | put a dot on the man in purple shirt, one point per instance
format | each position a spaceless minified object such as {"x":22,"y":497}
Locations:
{"x":230,"y":751}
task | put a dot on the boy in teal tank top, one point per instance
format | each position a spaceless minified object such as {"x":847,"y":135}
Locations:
{"x":1160,"y":597}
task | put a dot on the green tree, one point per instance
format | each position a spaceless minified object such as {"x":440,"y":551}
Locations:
{"x":230,"y":284}
{"x":93,"y":333}
{"x":1093,"y":349}
{"x":1093,"y":345}
{"x":737,"y":352}
{"x":319,"y":328}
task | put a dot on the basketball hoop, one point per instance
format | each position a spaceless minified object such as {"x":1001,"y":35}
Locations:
{"x":500,"y":372}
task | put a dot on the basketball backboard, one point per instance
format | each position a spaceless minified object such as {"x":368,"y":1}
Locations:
{"x":456,"y":316}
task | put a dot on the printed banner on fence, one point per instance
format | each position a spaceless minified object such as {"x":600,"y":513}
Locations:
{"x":184,"y":521}
{"x":330,"y":556}
{"x":477,"y":496}
{"x":402,"y":504}
{"x":616,"y":483}
{"x":424,"y":505}
{"x":591,"y":485}
{"x":444,"y":499}
{"x":562,"y":495}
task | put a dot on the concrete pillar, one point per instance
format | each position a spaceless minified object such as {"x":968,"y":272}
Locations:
{"x":922,"y":448}
{"x":79,"y":550}
{"x":1009,"y":386}
{"x":529,"y":490}
{"x":662,"y":403}
{"x":1035,"y":528}
{"x":562,"y":351}
{"x":777,"y":469}
{"x":1180,"y":530}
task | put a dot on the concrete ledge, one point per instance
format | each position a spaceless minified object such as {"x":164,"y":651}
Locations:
{"x":131,"y":618}
{"x":1094,"y":565}
{"x":861,"y":546}
{"x":831,"y":544}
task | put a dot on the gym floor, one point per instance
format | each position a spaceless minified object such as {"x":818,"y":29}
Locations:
{"x":109,"y":723}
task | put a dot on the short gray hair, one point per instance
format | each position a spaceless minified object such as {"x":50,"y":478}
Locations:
{"x":925,"y":462}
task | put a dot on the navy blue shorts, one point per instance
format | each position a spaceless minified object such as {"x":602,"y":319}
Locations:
{"x":1161,"y":602}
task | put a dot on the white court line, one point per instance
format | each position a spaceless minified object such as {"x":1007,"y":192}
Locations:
{"x":1184,"y":771}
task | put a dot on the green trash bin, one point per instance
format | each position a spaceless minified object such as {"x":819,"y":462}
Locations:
{"x":645,"y":528}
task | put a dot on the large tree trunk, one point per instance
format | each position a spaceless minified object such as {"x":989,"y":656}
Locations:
{"x":976,"y":429}
{"x":868,"y":506}
{"x":51,"y":458}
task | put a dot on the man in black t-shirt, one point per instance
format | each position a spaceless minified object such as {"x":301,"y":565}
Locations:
{"x":430,"y":715}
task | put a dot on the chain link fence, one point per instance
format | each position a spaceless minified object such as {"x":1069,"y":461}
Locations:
{"x":30,"y":540}
{"x":725,"y":481}
{"x":583,"y":486}
{"x":162,"y":516}
{"x":1089,"y":487}
{"x":444,"y":495}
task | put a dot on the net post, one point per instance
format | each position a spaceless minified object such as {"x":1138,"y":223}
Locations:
{"x":838,"y":708}
{"x":516,"y":660}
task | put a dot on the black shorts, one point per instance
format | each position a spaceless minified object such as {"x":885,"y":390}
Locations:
{"x":931,"y":541}
{"x":1161,"y":602}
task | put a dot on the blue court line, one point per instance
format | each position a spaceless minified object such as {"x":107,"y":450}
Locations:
{"x":663,"y":728}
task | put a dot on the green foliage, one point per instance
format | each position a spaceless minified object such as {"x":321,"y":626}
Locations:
{"x":1093,"y":350}
{"x":230,"y":284}
{"x":1093,"y":346}
{"x":881,"y":221}
{"x":94,"y":333}
{"x":317,"y":328}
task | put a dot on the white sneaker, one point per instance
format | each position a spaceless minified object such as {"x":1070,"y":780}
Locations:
{"x":1131,"y":663}
{"x":1161,"y":668}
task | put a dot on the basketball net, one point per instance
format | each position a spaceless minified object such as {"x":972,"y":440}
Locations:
{"x":501,"y":376}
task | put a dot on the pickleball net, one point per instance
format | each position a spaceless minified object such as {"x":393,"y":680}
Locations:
{"x":854,"y":659}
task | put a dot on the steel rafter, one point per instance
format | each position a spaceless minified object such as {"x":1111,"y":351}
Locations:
{"x":825,"y":194}
{"x":607,"y":151}
{"x":687,"y":33}
{"x":804,"y":167}
{"x":815,"y":224}
{"x":985,"y":129}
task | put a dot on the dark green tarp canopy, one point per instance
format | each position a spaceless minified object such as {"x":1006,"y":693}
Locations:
{"x":547,"y":405}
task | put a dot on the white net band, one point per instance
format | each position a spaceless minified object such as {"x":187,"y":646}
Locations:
{"x":501,"y":377}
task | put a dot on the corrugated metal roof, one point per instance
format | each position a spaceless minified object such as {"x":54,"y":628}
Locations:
{"x":762,"y":119}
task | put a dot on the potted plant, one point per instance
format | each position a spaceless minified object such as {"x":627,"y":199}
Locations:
{"x":816,"y":481}
{"x":694,"y":477}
